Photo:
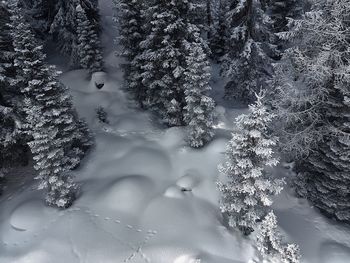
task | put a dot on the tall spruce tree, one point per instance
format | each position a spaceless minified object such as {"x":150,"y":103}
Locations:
{"x":130,"y":17}
{"x":56,"y":140}
{"x":164,"y":57}
{"x":162,"y":52}
{"x":319,"y":68}
{"x":88,"y":43}
{"x":199,"y":107}
{"x":217,"y":39}
{"x":248,"y":187}
{"x":250,"y":50}
{"x":12,"y":141}
{"x":64,"y":24}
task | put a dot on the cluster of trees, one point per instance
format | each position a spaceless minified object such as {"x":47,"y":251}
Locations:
{"x":166,"y":62}
{"x":37,"y":114}
{"x":246,"y":45}
{"x":73,"y":29}
{"x":312,"y":101}
{"x":298,"y":52}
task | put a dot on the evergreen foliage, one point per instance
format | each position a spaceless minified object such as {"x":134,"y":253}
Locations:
{"x":12,"y":143}
{"x":64,"y":24}
{"x":88,"y":43}
{"x":317,"y":120}
{"x":50,"y":120}
{"x":102,"y":115}
{"x":269,"y":242}
{"x":284,"y":10}
{"x":199,"y":106}
{"x":164,"y":57}
{"x":250,"y":49}
{"x":217,"y":38}
{"x":248,"y":187}
{"x":131,"y":25}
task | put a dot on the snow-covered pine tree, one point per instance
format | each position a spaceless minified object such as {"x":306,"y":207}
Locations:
{"x":319,"y":68}
{"x":269,"y":242}
{"x":50,"y":159}
{"x":63,"y":30}
{"x":51,"y":121}
{"x":298,"y":103}
{"x":7,"y":69}
{"x":162,"y":52}
{"x":250,"y":50}
{"x":39,"y":13}
{"x":217,"y":39}
{"x":6,"y":51}
{"x":12,"y":148}
{"x":199,"y":107}
{"x":12,"y":143}
{"x":283,"y":10}
{"x":63,"y":26}
{"x":164,"y":57}
{"x":88,"y":43}
{"x":248,"y":187}
{"x":131,"y":26}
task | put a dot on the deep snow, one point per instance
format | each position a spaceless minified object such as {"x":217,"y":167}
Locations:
{"x":145,"y":195}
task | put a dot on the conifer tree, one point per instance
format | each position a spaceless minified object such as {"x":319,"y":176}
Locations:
{"x":88,"y":43}
{"x":130,"y":17}
{"x":269,"y":242}
{"x":12,"y":142}
{"x":199,"y":106}
{"x":50,"y":120}
{"x":164,"y":57}
{"x":250,"y":50}
{"x":64,"y":24}
{"x":319,"y":68}
{"x":162,"y":54}
{"x":63,"y":30}
{"x":248,"y":187}
{"x":39,"y":13}
{"x":218,"y":39}
{"x":284,"y":10}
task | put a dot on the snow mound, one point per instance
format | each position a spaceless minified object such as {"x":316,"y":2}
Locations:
{"x":132,"y":123}
{"x":126,"y":194}
{"x":190,"y":180}
{"x":173,"y":137}
{"x":30,"y":215}
{"x":175,"y":192}
{"x":146,"y":161}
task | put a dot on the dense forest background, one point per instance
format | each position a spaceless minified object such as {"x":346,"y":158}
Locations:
{"x":285,"y":64}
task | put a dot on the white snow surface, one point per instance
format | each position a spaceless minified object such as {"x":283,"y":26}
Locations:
{"x":145,"y":195}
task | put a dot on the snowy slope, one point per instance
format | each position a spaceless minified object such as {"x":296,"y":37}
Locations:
{"x":132,"y":207}
{"x":145,"y":195}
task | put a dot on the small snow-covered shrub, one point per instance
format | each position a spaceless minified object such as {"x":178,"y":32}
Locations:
{"x":102,"y":115}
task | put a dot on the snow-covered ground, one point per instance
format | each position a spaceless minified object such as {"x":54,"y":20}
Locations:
{"x":145,"y":195}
